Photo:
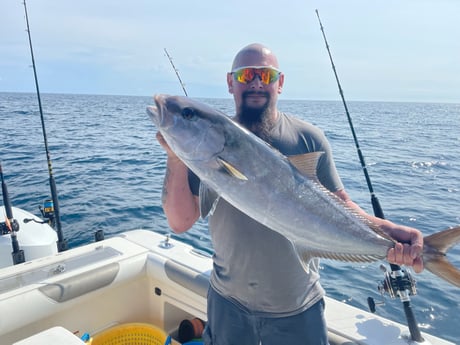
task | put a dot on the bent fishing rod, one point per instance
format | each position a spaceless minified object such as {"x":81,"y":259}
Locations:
{"x":55,"y":217}
{"x":398,"y":282}
{"x":177,"y":71}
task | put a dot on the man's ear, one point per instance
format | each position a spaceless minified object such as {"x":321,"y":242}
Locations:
{"x":230,"y":82}
{"x":280,"y":83}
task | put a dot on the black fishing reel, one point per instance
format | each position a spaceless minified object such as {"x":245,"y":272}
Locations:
{"x":8,"y":226}
{"x":399,"y":283}
{"x":4,"y":229}
{"x":47,"y":211}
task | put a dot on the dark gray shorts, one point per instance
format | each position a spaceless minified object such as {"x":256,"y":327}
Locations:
{"x":229,"y":324}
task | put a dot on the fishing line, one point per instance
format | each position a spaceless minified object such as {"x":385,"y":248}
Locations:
{"x":397,"y":281}
{"x":56,"y":220}
{"x":177,"y":71}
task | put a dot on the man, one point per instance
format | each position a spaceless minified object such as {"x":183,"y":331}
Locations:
{"x":259,"y":291}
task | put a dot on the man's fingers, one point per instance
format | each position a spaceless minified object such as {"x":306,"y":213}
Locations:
{"x":418,"y":265}
{"x":404,"y":254}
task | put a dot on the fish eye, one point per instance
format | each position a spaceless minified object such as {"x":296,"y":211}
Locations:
{"x":188,"y":113}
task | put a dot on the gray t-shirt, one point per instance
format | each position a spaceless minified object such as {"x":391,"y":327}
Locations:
{"x":255,"y":267}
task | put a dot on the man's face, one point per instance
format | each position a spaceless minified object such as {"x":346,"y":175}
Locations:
{"x":250,"y":92}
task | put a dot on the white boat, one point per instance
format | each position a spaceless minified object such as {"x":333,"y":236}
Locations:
{"x":144,"y":277}
{"x":36,"y":239}
{"x":138,"y":278}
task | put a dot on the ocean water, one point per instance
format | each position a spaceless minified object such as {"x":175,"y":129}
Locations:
{"x":109,"y":172}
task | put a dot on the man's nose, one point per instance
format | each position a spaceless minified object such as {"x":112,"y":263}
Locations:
{"x":256,"y":82}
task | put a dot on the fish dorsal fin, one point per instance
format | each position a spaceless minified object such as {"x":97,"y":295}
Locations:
{"x":231,"y":170}
{"x":306,"y":163}
{"x":208,"y":200}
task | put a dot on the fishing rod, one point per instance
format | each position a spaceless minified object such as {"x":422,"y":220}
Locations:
{"x":11,"y":225}
{"x":51,"y":210}
{"x":177,"y":72}
{"x":398,"y":282}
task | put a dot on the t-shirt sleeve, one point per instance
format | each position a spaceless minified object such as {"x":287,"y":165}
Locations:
{"x":326,"y":169}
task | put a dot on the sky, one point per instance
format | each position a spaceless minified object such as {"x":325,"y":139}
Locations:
{"x":383,"y":50}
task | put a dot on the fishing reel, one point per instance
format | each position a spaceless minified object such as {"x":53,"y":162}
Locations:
{"x":8,"y":227}
{"x":47,"y":212}
{"x":398,"y":283}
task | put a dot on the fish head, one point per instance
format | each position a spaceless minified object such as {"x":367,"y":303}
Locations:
{"x":193,"y":130}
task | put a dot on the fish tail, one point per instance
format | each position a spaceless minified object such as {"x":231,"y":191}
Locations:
{"x":434,"y":256}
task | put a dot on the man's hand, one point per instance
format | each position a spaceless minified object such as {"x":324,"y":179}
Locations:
{"x":409,"y":249}
{"x":164,"y":144}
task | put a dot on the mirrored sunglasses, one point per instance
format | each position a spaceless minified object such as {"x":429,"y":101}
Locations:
{"x":267,"y":75}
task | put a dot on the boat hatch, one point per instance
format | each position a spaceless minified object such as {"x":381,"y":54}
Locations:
{"x":38,"y":275}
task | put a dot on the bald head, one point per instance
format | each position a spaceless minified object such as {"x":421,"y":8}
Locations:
{"x":255,"y":54}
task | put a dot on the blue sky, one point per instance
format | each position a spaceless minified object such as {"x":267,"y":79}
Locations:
{"x":392,"y":50}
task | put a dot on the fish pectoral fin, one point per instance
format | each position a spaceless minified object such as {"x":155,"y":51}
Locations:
{"x":208,"y":200}
{"x":231,"y":170}
{"x":306,"y":163}
{"x":434,"y":254}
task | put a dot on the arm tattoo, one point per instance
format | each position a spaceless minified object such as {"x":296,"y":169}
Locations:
{"x":164,"y":193}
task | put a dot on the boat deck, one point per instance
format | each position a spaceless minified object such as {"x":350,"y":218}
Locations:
{"x":139,"y":277}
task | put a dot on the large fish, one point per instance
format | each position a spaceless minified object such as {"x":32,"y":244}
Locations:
{"x":283,"y":194}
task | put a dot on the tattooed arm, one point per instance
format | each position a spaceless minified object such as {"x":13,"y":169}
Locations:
{"x":179,"y":204}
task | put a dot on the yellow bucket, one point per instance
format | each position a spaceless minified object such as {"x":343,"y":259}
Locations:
{"x":132,"y":334}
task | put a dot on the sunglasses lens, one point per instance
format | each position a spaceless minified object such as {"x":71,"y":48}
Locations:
{"x":266,"y":75}
{"x":245,"y":75}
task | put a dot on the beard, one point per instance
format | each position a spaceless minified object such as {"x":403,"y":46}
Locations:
{"x":257,"y":120}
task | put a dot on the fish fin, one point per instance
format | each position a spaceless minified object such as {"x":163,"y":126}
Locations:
{"x":231,"y":170}
{"x":434,"y":256}
{"x":306,"y":163}
{"x":208,"y":200}
{"x":442,"y":268}
{"x":306,"y":255}
{"x":444,"y":240}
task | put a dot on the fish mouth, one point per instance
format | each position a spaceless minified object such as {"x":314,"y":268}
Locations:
{"x":156,"y":111}
{"x":152,"y":111}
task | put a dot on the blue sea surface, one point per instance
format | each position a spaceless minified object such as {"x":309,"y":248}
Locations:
{"x":109,"y":173}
